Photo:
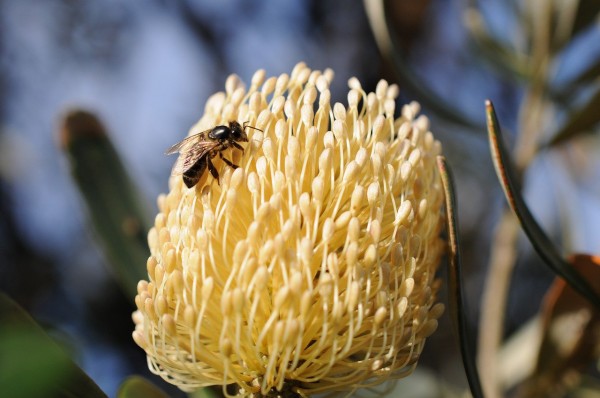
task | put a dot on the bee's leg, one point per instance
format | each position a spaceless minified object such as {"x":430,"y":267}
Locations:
{"x":229,"y":162}
{"x":213,"y":170}
{"x":238,"y":146}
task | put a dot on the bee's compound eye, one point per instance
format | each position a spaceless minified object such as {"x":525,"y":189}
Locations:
{"x":237,"y":133}
{"x":220,"y":132}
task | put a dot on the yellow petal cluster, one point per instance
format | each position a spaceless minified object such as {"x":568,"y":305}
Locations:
{"x":311,"y":267}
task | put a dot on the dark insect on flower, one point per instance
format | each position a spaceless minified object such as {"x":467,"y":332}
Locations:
{"x":196,"y":152}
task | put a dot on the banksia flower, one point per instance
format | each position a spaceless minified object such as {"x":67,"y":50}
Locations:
{"x":309,"y":268}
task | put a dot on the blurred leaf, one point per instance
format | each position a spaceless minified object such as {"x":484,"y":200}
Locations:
{"x":517,"y":356}
{"x":388,"y":43}
{"x":497,"y":54}
{"x":588,"y":388}
{"x":32,"y":365}
{"x":570,"y":333}
{"x":587,"y":13}
{"x":455,"y":299}
{"x":138,"y":387}
{"x":421,"y":384}
{"x":206,"y":392}
{"x":586,"y":77}
{"x":540,"y":241}
{"x":580,"y":121}
{"x":115,"y":209}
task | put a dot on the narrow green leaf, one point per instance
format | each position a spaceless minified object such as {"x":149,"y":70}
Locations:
{"x":32,"y":365}
{"x":580,"y":121}
{"x":540,"y":241}
{"x":138,"y":387}
{"x":115,"y":209}
{"x":455,"y":296}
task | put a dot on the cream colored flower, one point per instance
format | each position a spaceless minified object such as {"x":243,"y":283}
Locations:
{"x":310,"y":268}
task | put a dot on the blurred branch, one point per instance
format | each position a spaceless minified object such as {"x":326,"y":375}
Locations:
{"x":580,"y":121}
{"x":588,"y":13}
{"x":566,"y":12}
{"x":506,"y":61}
{"x":516,"y":359}
{"x":115,"y":209}
{"x":586,"y":77}
{"x":495,"y":293}
{"x":504,"y":252}
{"x":390,"y":48}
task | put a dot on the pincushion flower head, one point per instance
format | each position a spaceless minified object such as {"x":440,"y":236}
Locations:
{"x":310,"y":267}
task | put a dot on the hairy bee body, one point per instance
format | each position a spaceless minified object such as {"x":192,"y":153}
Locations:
{"x":197,"y":151}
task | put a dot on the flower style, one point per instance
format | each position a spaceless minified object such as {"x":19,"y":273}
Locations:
{"x":310,"y":267}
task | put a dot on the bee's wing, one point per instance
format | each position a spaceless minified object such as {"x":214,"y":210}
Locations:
{"x":187,"y":143}
{"x":189,"y":156}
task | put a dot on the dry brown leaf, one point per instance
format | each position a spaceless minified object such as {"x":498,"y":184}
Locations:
{"x":571,"y":328}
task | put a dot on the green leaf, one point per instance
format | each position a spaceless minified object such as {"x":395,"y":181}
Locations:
{"x":115,"y":209}
{"x":538,"y":238}
{"x":580,"y":121}
{"x":32,"y":365}
{"x":138,"y":387}
{"x":455,"y":295}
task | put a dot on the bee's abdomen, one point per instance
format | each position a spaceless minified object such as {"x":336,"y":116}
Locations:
{"x":192,"y":175}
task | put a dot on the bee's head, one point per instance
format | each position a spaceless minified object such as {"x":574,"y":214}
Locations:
{"x":237,"y":132}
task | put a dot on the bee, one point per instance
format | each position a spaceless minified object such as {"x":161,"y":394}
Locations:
{"x":197,"y":151}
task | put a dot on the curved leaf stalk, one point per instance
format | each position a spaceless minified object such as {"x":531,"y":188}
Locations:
{"x":538,"y":238}
{"x":455,"y":299}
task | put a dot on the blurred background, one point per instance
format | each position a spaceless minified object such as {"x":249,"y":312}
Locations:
{"x":147,"y":68}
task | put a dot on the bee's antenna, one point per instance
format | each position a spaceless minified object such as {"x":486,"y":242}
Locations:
{"x":252,"y":127}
